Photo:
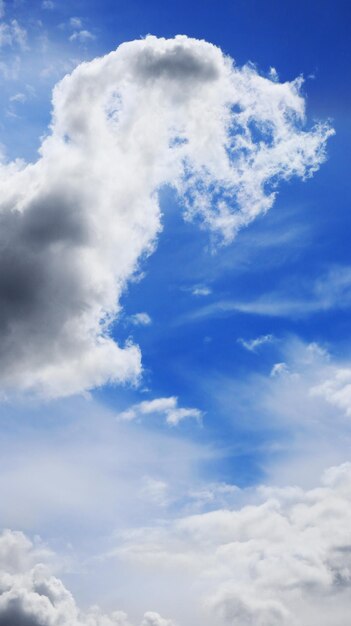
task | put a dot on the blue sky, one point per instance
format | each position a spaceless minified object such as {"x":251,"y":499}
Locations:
{"x":175,"y":341}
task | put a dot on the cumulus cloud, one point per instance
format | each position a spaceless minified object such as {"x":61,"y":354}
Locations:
{"x":283,"y":559}
{"x":239,"y":606}
{"x":75,"y":224}
{"x":31,"y":596}
{"x":168,"y":407}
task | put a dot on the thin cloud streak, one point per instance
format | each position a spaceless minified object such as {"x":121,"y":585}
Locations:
{"x":328,"y":292}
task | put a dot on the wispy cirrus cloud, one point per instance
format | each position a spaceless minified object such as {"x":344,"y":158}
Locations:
{"x":282,"y":554}
{"x":331,"y":290}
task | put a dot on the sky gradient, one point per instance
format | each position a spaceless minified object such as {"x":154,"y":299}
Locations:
{"x":175,"y":294}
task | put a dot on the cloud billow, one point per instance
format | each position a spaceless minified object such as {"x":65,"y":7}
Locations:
{"x":75,"y":224}
{"x":282,"y":558}
{"x":31,"y":596}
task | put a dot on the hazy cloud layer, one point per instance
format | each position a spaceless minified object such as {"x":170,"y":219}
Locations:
{"x":91,"y":473}
{"x":283,"y":559}
{"x":75,"y":224}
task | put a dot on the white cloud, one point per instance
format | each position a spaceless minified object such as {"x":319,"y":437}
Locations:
{"x":18,"y":97}
{"x":336,"y":388}
{"x":173,"y":413}
{"x":282,"y":559}
{"x":82,"y":36}
{"x":315,"y":376}
{"x":48,"y":5}
{"x":18,"y":553}
{"x":75,"y":22}
{"x":178,"y":414}
{"x":2,"y":8}
{"x":252,"y":344}
{"x":141,"y":319}
{"x":82,"y":475}
{"x":155,"y":491}
{"x":31,"y":596}
{"x":279,"y":368}
{"x":241,"y":606}
{"x":329,"y":291}
{"x":75,"y":224}
{"x":154,"y":619}
{"x":201,"y":290}
{"x":12,"y":34}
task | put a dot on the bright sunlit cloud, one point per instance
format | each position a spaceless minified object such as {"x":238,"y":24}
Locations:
{"x":175,"y":294}
{"x":75,"y":224}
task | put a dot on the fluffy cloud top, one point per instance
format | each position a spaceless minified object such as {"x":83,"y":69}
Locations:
{"x":31,"y":596}
{"x":75,"y":224}
{"x":282,"y":559}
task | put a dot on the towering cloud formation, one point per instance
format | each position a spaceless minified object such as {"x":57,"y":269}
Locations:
{"x":74,"y":225}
